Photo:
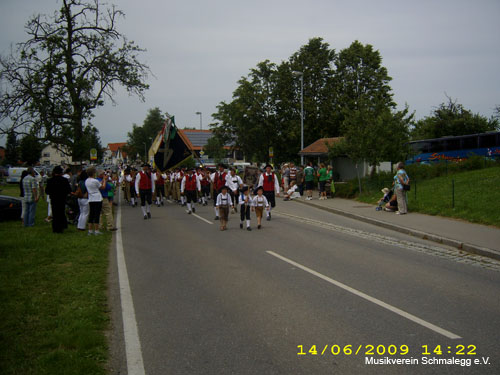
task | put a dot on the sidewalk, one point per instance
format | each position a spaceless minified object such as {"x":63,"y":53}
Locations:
{"x":473,"y":238}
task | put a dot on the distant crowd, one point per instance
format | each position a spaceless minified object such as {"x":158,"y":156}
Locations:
{"x":86,"y":198}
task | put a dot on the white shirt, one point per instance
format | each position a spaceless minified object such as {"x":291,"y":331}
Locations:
{"x":224,"y":200}
{"x":260,"y":201}
{"x":242,"y":198}
{"x":138,"y":179}
{"x":183,"y":183}
{"x":93,"y":187}
{"x":233,"y":182}
{"x":276,"y":183}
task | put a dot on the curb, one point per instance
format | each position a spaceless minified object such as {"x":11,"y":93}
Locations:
{"x":490,"y":253}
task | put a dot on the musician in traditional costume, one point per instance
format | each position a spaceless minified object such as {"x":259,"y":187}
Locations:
{"x":190,"y":184}
{"x":145,"y":186}
{"x":269,"y":182}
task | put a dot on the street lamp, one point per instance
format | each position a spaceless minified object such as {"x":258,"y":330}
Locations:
{"x":199,"y":113}
{"x":301,"y":75}
{"x":145,"y":153}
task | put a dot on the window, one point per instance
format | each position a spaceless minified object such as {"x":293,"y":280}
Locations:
{"x":469,"y":142}
{"x":46,"y":154}
{"x":489,"y":140}
{"x":452,"y":144}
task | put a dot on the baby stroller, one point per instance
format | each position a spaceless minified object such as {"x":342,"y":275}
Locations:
{"x":72,"y":209}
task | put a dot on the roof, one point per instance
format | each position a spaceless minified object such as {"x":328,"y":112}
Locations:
{"x":319,"y":147}
{"x":113,"y":147}
{"x":196,"y":139}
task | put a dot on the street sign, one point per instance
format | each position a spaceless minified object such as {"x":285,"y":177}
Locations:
{"x":93,"y":154}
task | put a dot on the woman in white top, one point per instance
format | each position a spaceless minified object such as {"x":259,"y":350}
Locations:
{"x":95,"y":200}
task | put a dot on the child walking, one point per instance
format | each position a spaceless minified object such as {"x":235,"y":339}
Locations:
{"x":223,"y":203}
{"x":259,"y":203}
{"x":246,"y":203}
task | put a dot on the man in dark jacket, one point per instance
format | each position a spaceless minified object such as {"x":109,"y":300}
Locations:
{"x":58,"y":189}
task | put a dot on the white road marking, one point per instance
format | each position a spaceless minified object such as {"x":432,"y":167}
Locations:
{"x":374,"y":300}
{"x":133,"y":352}
{"x":201,"y":218}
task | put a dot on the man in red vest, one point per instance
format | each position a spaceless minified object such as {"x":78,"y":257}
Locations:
{"x":145,"y":186}
{"x":269,"y":182}
{"x":219,"y":181}
{"x":159,"y":181}
{"x":189,"y":186}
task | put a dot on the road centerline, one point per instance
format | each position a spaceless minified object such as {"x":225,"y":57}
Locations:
{"x":201,"y":218}
{"x":369,"y":298}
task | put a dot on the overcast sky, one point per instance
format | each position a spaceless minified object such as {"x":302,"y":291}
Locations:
{"x":197,"y":50}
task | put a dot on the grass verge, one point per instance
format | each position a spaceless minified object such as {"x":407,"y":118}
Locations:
{"x":53,"y":292}
{"x":471,"y":195}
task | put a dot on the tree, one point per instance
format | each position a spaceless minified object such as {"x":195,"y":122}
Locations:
{"x":215,"y":149}
{"x":452,"y":119}
{"x":373,"y":130}
{"x":69,"y":66}
{"x":11,"y":148}
{"x":142,"y":136}
{"x":265,"y":110}
{"x":31,"y":149}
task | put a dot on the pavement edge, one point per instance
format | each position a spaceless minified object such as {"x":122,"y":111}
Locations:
{"x":470,"y":248}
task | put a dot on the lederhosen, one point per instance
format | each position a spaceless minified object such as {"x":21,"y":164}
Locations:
{"x":224,"y":207}
{"x":259,"y":206}
{"x":234,"y":196}
{"x":245,"y":208}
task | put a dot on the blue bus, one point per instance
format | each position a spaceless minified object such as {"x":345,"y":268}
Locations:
{"x":455,"y":148}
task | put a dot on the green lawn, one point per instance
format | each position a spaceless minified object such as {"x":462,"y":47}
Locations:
{"x":476,"y":196}
{"x":53,"y":298}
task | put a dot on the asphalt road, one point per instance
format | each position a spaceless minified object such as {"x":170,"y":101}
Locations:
{"x":263,"y":302}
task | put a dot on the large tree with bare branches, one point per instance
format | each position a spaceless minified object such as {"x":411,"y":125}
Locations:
{"x":69,"y":66}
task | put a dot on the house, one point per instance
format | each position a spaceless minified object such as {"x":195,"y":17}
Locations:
{"x":53,"y":156}
{"x":197,"y":139}
{"x":343,"y":167}
{"x":114,"y":154}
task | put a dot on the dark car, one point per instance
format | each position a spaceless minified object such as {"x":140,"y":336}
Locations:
{"x":4,"y":171}
{"x":10,"y":208}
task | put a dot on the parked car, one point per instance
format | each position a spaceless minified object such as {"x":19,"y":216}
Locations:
{"x":15,"y":175}
{"x":10,"y":208}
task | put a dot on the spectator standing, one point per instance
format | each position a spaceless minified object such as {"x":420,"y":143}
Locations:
{"x":293,"y":174}
{"x":58,"y":189}
{"x":400,"y":179}
{"x":95,"y":200}
{"x":322,"y":177}
{"x":83,"y":201}
{"x":107,"y":205}
{"x":31,"y":196}
{"x":300,"y":178}
{"x":285,"y":172}
{"x":309,"y":180}
{"x":21,"y":194}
